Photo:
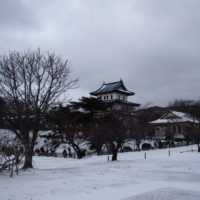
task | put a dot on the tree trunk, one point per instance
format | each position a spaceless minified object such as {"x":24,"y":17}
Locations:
{"x":169,"y":143}
{"x":98,"y":149}
{"x":115,"y":150}
{"x":79,"y":152}
{"x":114,"y":155}
{"x":138,"y":146}
{"x":28,"y":157}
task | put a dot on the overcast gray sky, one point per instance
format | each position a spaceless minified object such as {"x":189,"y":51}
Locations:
{"x":153,"y":45}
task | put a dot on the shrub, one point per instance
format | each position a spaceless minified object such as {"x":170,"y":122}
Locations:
{"x":146,"y":146}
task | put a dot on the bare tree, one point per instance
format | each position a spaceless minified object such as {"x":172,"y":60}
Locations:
{"x":196,"y":136}
{"x":72,"y":124}
{"x":68,"y":128}
{"x":188,"y":133}
{"x":169,"y":135}
{"x":11,"y":154}
{"x":95,"y":139}
{"x":31,"y":83}
{"x":194,"y":131}
{"x":2,"y":106}
{"x":138,"y":132}
{"x":113,"y":132}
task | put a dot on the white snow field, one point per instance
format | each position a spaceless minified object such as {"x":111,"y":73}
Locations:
{"x":159,"y":177}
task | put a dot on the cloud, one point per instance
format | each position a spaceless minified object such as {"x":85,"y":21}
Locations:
{"x":152,"y":45}
{"x":16,"y":15}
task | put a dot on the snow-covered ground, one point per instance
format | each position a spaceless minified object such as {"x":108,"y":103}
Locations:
{"x":159,"y":177}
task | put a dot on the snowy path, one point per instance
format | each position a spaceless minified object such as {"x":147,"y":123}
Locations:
{"x":93,"y":178}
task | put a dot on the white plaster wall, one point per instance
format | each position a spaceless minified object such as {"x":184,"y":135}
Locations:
{"x":114,"y":96}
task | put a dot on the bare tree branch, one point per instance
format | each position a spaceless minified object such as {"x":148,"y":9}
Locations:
{"x":31,"y":83}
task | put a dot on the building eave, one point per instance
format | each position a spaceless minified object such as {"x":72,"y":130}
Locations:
{"x":117,"y":87}
{"x":128,"y":93}
{"x":123,"y":102}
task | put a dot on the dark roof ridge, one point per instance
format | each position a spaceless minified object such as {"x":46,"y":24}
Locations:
{"x":112,"y":82}
{"x":119,"y":82}
{"x":112,"y":87}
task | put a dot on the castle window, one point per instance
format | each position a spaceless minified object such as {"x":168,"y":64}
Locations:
{"x":111,"y":96}
{"x":118,"y":96}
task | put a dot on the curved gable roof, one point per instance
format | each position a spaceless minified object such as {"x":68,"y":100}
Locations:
{"x":112,"y":87}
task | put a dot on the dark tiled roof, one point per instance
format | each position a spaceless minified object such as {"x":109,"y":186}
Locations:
{"x":112,"y":87}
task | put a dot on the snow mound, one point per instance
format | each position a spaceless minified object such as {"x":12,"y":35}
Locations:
{"x":167,"y":194}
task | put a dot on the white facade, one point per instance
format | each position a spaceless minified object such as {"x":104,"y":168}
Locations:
{"x":113,"y":96}
{"x":177,"y":131}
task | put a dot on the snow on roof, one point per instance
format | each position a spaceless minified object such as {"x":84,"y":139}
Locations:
{"x":179,"y":114}
{"x":181,"y":117}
